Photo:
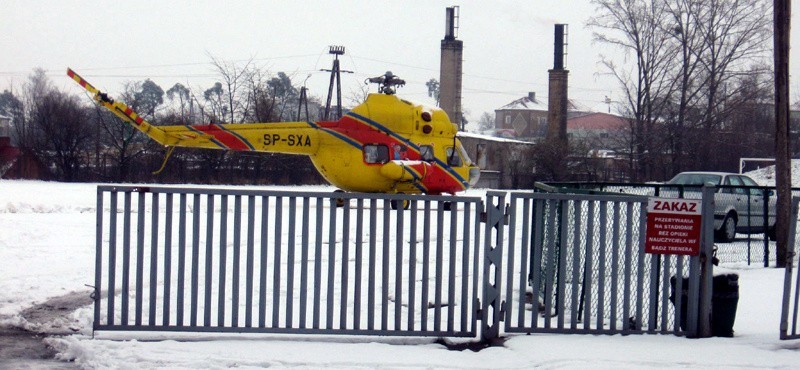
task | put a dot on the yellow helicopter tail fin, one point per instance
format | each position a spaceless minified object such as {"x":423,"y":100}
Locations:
{"x":121,"y":110}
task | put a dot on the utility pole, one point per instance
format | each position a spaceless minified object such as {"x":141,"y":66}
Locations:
{"x":782,"y":22}
{"x":336,"y":77}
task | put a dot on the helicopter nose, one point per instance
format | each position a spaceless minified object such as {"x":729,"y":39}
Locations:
{"x":474,"y":175}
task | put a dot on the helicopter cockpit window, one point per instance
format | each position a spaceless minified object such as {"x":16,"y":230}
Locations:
{"x":376,"y":153}
{"x":426,"y":153}
{"x":453,"y":159}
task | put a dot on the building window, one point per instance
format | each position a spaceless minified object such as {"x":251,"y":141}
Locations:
{"x":507,"y":120}
{"x":376,"y":153}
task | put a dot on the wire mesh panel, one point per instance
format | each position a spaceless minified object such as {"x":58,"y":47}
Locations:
{"x":749,"y":210}
{"x":173,"y":259}
{"x":576,"y":263}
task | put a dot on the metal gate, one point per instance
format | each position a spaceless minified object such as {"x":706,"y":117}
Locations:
{"x":576,"y":264}
{"x":211,"y":260}
{"x":791,"y":282}
{"x":229,"y":260}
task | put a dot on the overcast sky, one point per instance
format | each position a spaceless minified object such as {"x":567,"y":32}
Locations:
{"x":508,"y":45}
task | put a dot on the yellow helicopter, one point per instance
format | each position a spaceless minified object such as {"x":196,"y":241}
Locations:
{"x":384,"y":145}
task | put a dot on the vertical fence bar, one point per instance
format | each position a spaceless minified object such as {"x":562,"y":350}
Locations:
{"x":345,"y":264}
{"x":614,"y":267}
{"x":181,"y":260}
{"x":223,"y":263}
{"x":679,"y":314}
{"x":331,"y":265}
{"x":385,"y":267}
{"x":550,"y":269}
{"x":276,"y":272}
{"x":627,"y":260}
{"x":477,"y":252}
{"x":151,"y":317}
{"x":98,"y":257}
{"x":586,"y":294}
{"x":640,"y":270}
{"x":112,"y":257}
{"x":398,"y":278}
{"x":523,"y":258}
{"x":537,"y":246}
{"x":426,"y":243}
{"x":437,"y":309}
{"x":359,"y":264}
{"x":251,"y":223}
{"x":561,"y":253}
{"x":601,"y":265}
{"x":167,"y":259}
{"x":209,"y":255}
{"x":304,"y":263}
{"x":412,"y":266}
{"x":194,"y":284}
{"x":318,"y":266}
{"x":237,"y":258}
{"x":290,"y":255}
{"x":126,"y":259}
{"x":139,"y":258}
{"x":262,"y":271}
{"x":373,"y":230}
{"x":512,"y":233}
{"x":451,"y":286}
{"x":465,"y":272}
{"x":576,"y":267}
{"x":663,"y":297}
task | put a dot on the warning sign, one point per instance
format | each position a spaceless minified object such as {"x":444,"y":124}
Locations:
{"x":673,"y":226}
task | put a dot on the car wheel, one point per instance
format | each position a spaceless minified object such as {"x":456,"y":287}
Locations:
{"x":728,"y":231}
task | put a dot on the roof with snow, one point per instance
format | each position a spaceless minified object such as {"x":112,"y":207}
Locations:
{"x":490,"y":138}
{"x":530,"y":102}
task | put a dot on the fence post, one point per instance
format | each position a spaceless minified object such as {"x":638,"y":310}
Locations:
{"x":492,"y":267}
{"x":706,"y":267}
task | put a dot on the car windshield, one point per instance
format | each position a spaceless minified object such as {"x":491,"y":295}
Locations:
{"x":695,"y":179}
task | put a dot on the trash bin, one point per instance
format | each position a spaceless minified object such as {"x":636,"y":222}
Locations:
{"x":724,"y":301}
{"x":684,"y":297}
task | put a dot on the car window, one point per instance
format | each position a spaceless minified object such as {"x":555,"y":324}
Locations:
{"x":750,"y":182}
{"x":735,"y":181}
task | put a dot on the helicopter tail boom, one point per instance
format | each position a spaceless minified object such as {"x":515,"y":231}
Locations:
{"x":278,"y":137}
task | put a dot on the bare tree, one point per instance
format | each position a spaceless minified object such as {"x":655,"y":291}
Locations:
{"x":63,"y":135}
{"x":690,"y":57}
{"x":635,"y":28}
{"x":234,"y":78}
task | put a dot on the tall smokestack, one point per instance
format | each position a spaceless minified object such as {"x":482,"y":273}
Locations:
{"x":450,"y":69}
{"x":557,"y":99}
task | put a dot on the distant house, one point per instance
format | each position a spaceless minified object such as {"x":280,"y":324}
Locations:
{"x":598,"y":131}
{"x":526,"y":118}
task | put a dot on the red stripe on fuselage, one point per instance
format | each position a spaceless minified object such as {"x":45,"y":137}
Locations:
{"x":224,"y":137}
{"x":436,"y":181}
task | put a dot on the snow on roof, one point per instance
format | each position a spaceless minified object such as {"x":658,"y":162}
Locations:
{"x":490,"y":138}
{"x":532,"y":103}
{"x":527,"y":103}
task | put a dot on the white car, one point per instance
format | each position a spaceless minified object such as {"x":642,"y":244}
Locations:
{"x":737,"y":207}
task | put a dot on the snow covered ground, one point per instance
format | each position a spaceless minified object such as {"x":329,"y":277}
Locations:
{"x":47,"y":250}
